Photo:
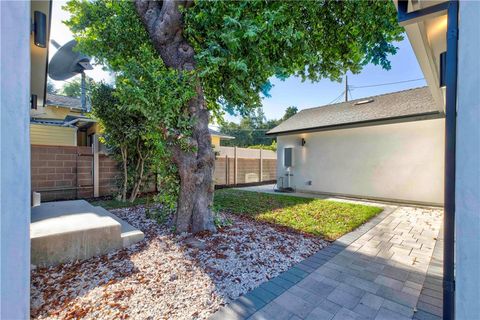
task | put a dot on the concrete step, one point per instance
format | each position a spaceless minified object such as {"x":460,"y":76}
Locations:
{"x":66,"y":231}
{"x":130,"y":235}
{"x":71,"y":230}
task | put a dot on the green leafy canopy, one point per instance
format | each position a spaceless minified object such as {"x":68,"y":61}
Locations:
{"x":239,"y":46}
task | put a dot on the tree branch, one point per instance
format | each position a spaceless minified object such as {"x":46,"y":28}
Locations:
{"x":164,"y":23}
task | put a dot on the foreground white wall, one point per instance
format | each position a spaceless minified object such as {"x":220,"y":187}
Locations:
{"x":467,"y":187}
{"x":403,"y":161}
{"x":15,"y":160}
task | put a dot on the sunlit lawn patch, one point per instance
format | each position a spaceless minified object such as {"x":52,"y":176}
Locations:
{"x":329,"y":219}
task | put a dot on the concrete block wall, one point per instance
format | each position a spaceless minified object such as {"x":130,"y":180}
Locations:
{"x":248,"y":170}
{"x":62,"y":172}
{"x":84,"y":172}
{"x":54,"y":171}
{"x":66,"y":172}
{"x":110,"y":175}
{"x":220,"y":174}
{"x":269,"y":169}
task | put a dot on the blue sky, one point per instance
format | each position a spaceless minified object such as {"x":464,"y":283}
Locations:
{"x":294,"y":92}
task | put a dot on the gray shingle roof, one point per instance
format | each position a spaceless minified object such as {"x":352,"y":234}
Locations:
{"x":219,"y":134}
{"x":395,"y":105}
{"x":57,"y":100}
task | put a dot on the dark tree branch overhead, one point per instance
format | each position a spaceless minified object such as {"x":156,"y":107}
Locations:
{"x":164,"y":23}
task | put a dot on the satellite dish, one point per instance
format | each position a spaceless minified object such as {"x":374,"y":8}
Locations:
{"x":67,"y":63}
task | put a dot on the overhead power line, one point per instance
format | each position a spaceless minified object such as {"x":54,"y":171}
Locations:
{"x":336,"y":99}
{"x":347,"y":93}
{"x":249,"y":130}
{"x":385,"y":84}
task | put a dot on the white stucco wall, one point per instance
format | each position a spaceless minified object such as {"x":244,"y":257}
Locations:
{"x":467,"y":186}
{"x":15,"y":160}
{"x":403,"y":161}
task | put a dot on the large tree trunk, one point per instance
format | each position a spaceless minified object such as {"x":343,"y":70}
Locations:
{"x":163,"y":21}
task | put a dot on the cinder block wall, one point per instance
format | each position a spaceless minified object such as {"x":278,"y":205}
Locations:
{"x":269,"y":169}
{"x":84,"y":172}
{"x":64,"y":172}
{"x":110,"y":174}
{"x":220,"y":174}
{"x":248,"y":170}
{"x":54,"y":171}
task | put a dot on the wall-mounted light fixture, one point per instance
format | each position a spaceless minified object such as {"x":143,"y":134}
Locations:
{"x":303,"y":142}
{"x":39,"y":29}
{"x":33,"y":101}
{"x":443,"y":69}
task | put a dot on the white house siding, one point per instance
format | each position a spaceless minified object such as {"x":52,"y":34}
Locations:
{"x":467,"y":188}
{"x":15,"y":160}
{"x":403,"y":161}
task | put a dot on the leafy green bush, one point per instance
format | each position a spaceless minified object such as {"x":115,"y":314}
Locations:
{"x":272,"y":147}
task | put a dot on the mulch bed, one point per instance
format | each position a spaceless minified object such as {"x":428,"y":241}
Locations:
{"x":169,"y":276}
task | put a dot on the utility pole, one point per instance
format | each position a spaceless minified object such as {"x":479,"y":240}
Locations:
{"x":83,"y":93}
{"x":346,"y":88}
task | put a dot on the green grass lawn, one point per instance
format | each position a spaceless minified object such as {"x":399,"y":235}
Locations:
{"x":328,"y":219}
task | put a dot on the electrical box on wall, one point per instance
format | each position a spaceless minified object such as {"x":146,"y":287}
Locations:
{"x":288,"y":157}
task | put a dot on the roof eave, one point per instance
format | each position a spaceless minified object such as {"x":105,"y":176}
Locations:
{"x":366,"y":123}
{"x":426,"y":54}
{"x":64,"y":106}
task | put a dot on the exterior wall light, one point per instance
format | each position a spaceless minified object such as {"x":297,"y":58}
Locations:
{"x":39,"y":29}
{"x":33,"y":101}
{"x":303,"y":142}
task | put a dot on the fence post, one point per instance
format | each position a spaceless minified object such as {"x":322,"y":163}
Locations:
{"x":261,"y":166}
{"x":226,"y":169}
{"x":235,"y":165}
{"x":96,"y":167}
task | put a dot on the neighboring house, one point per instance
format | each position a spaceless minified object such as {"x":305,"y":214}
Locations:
{"x":388,"y":147}
{"x":61,"y":122}
{"x":217,"y":137}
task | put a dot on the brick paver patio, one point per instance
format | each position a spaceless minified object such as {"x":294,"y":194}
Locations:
{"x":389,"y":268}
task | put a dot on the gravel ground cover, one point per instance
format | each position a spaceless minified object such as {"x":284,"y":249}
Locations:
{"x":169,"y":276}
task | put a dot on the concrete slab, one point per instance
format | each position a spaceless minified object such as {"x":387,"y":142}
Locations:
{"x":75,"y":230}
{"x":130,"y":235}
